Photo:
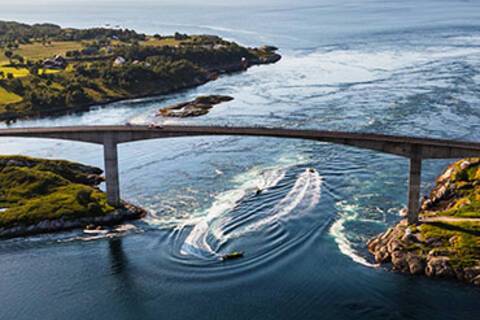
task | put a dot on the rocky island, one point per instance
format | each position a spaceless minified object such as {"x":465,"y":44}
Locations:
{"x":40,"y":196}
{"x":198,"y":107}
{"x":46,"y":69}
{"x":446,"y":242}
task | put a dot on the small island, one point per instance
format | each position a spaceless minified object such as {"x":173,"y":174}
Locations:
{"x":48,"y":70}
{"x":40,"y":196}
{"x":446,"y":242}
{"x":195,"y":108}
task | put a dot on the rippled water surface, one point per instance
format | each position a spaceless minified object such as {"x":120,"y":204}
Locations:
{"x":397,"y":67}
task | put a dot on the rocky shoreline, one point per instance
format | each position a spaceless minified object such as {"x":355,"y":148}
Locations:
{"x":446,"y":242}
{"x":394,"y":247}
{"x":194,"y":108}
{"x":126,"y":213}
{"x":44,"y":196}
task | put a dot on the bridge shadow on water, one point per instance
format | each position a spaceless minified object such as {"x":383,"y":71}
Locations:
{"x":119,"y":260}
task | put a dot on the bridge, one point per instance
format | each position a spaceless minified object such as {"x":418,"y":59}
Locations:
{"x":415,"y":149}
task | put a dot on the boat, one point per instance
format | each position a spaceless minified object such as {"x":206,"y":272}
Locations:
{"x":91,"y":229}
{"x":232,"y":255}
{"x":95,"y":231}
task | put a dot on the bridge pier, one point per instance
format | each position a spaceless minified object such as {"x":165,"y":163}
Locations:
{"x":111,"y":171}
{"x":414,"y":181}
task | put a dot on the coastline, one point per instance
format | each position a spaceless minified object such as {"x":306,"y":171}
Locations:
{"x":214,"y":73}
{"x":126,"y":213}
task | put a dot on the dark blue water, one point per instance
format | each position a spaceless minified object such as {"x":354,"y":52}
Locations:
{"x":399,"y":67}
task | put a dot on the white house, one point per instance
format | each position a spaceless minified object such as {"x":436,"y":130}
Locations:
{"x":119,"y":61}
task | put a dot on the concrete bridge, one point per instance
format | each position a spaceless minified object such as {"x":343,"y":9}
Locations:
{"x":415,"y":149}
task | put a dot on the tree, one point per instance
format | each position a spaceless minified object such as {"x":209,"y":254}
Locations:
{"x":18,"y":57}
{"x":9,"y":55}
{"x":2,"y":75}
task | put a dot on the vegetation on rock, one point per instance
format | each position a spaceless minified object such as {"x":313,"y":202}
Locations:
{"x":446,"y":243}
{"x":33,"y":190}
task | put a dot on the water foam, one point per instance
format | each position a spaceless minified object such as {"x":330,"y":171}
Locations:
{"x":207,"y":227}
{"x":348,"y":212}
{"x":304,"y":196}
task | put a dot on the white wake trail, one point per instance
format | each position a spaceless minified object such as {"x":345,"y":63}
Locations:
{"x":303,"y":197}
{"x":197,"y":243}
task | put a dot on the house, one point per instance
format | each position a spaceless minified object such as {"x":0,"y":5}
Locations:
{"x":119,"y":61}
{"x":57,"y":62}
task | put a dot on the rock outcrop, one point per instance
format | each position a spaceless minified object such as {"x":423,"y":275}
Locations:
{"x":446,"y":243}
{"x":40,"y":195}
{"x":194,"y":108}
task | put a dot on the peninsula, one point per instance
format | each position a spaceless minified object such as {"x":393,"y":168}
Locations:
{"x":446,"y":242}
{"x":39,"y":196}
{"x":46,"y":69}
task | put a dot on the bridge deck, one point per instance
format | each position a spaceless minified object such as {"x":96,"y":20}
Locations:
{"x":399,"y":145}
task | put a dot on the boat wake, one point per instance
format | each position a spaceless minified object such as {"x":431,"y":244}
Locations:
{"x":197,"y":242}
{"x":223,"y":222}
{"x":303,"y":197}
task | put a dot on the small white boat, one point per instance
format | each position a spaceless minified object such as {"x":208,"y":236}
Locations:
{"x":95,"y":231}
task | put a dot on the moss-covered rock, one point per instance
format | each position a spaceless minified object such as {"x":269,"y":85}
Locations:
{"x":43,"y":195}
{"x":446,"y":243}
{"x":457,"y":191}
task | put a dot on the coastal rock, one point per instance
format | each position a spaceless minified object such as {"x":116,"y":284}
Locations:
{"x":416,"y":264}
{"x":399,"y":261}
{"x":439,"y":267}
{"x":127,"y":212}
{"x":198,"y":107}
{"x":382,"y":255}
{"x":471,"y":273}
{"x":394,"y":245}
{"x":372,"y":244}
{"x":476,"y":280}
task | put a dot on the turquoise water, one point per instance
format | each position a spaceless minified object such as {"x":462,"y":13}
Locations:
{"x":399,"y":67}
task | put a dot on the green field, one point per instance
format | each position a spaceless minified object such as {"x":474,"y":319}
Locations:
{"x":7,"y":97}
{"x":161,"y":42}
{"x":37,"y":50}
{"x":17,"y":72}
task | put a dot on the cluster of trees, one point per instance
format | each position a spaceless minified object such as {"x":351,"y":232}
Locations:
{"x":159,"y":70}
{"x":11,"y":56}
{"x":14,"y":33}
{"x":205,"y":54}
{"x":39,"y":95}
